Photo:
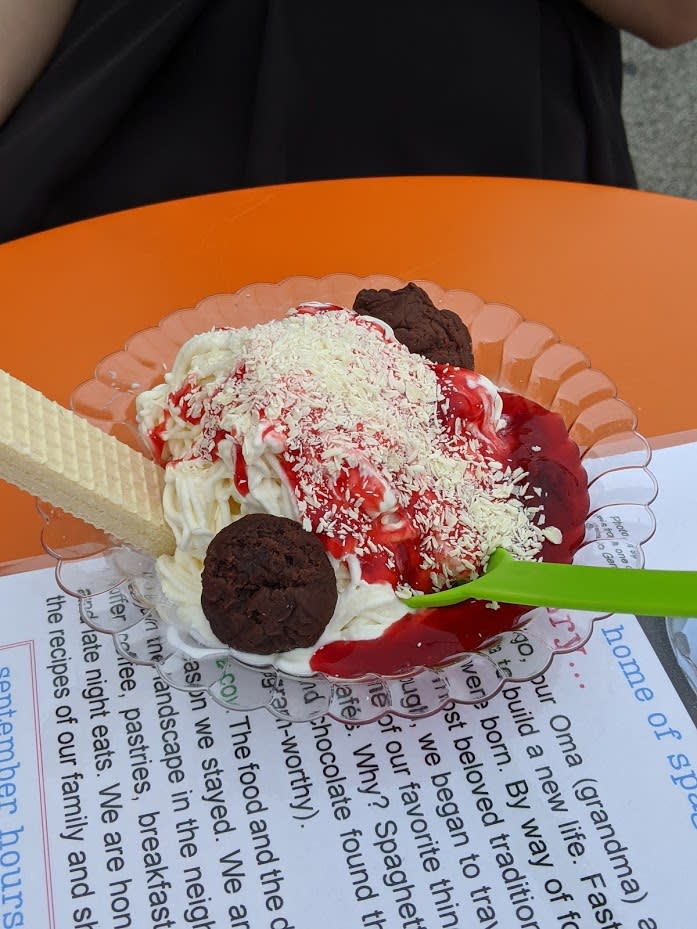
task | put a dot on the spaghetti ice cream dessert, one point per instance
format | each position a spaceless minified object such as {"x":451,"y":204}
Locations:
{"x":400,"y":474}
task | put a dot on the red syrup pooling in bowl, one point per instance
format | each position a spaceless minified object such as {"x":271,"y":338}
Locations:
{"x":342,"y":503}
{"x":428,"y":638}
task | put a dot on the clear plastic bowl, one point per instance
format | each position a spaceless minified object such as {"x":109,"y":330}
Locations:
{"x":118,"y":592}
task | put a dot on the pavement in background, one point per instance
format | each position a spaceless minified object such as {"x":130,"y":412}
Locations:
{"x":660,"y":112}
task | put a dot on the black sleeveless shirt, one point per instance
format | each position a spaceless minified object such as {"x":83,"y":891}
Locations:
{"x":148,"y":101}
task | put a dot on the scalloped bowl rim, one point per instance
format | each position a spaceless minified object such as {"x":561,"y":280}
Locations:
{"x":282,"y":678}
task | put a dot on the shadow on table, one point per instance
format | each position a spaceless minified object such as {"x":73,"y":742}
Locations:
{"x":655,"y":630}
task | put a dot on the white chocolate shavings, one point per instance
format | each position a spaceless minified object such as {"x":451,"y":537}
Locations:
{"x":355,"y":432}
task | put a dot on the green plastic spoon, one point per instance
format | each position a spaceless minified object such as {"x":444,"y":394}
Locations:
{"x":576,"y":587}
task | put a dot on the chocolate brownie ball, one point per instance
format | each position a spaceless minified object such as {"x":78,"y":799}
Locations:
{"x":268,"y":585}
{"x":439,"y":335}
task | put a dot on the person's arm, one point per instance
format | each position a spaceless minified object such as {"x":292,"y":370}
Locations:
{"x":29,"y":33}
{"x":662,"y":23}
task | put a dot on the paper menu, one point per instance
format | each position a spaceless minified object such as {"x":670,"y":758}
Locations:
{"x":675,"y":509}
{"x":567,"y":801}
{"x":570,"y":801}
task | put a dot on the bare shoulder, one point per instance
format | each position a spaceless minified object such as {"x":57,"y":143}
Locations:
{"x":661,"y":23}
{"x":29,"y":33}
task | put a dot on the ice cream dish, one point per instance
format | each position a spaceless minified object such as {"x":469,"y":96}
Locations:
{"x":317,"y":541}
{"x":322,"y":466}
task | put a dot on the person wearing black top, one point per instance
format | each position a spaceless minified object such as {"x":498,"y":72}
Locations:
{"x":142,"y":102}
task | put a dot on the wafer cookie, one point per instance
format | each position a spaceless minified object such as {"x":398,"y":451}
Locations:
{"x":63,"y":459}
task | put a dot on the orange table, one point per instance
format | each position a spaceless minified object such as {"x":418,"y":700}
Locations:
{"x":610,"y":270}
